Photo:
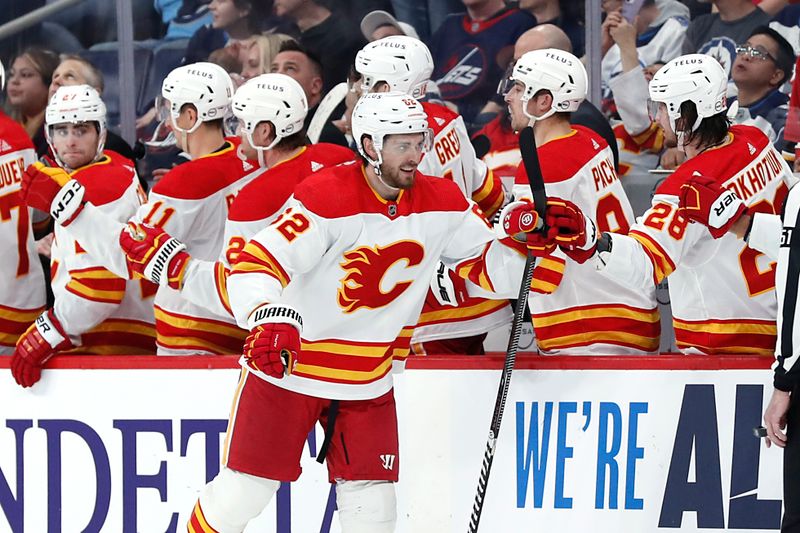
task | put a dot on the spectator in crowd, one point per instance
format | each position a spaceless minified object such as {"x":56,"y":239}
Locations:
{"x":718,"y":34}
{"x":76,"y":70}
{"x":28,"y":82}
{"x":639,"y":138}
{"x":95,"y":311}
{"x":327,"y":35}
{"x":762,"y":65}
{"x":298,"y":62}
{"x":425,"y":15}
{"x":471,"y":50}
{"x":379,"y":24}
{"x":503,"y":149}
{"x":260,"y":53}
{"x":183,"y":17}
{"x":233,"y":22}
{"x":660,"y":28}
{"x":560,"y":13}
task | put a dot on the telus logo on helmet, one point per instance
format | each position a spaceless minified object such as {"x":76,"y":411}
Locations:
{"x":688,"y":62}
{"x":270,"y":87}
{"x":200,"y":73}
{"x":559,"y":58}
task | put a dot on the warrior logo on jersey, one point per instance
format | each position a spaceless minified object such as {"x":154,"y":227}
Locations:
{"x":373,"y":275}
{"x":465,"y":69}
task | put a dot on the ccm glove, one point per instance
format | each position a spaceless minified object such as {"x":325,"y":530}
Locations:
{"x":155,"y":255}
{"x":574,"y":233}
{"x":36,"y":346}
{"x":704,"y":200}
{"x":49,"y":188}
{"x":274,"y":341}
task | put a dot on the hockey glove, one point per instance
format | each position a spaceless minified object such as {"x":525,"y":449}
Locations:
{"x":274,"y":340}
{"x":704,"y":200}
{"x":447,"y":287}
{"x":50,"y":189}
{"x":155,"y":255}
{"x":36,"y":346}
{"x":521,"y":222}
{"x":575,"y":234}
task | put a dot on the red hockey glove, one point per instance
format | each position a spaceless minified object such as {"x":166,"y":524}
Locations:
{"x":447,"y":287}
{"x":575,"y":234}
{"x":36,"y":346}
{"x":154,"y":255}
{"x":521,"y":221}
{"x":50,"y":189}
{"x":704,"y":200}
{"x":274,"y":340}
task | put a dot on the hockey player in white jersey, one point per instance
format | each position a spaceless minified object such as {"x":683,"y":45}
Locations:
{"x":577,"y":166}
{"x":329,"y":292}
{"x":95,"y":311}
{"x":22,"y":293}
{"x":271,"y":109}
{"x":738,"y":316}
{"x":190,"y":202}
{"x":401,"y":63}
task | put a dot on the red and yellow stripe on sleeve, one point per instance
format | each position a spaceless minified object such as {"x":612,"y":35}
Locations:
{"x":255,"y":258}
{"x":619,"y":325}
{"x":662,"y":263}
{"x":489,"y":196}
{"x":732,"y":336}
{"x":475,"y":271}
{"x":14,"y":322}
{"x":221,"y":282}
{"x":198,"y":522}
{"x":547,"y":275}
{"x":96,"y":284}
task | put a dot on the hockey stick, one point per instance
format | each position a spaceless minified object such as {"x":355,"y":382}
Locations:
{"x":530,"y":159}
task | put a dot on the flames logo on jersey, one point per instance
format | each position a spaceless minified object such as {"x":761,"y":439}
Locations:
{"x":365,"y":269}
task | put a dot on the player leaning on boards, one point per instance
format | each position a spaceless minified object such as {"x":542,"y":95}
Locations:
{"x":738,"y":315}
{"x":271,"y":109}
{"x":22,"y":293}
{"x":708,"y":202}
{"x":95,"y":311}
{"x":329,"y":292}
{"x":449,"y":323}
{"x":190,"y":202}
{"x":577,"y":166}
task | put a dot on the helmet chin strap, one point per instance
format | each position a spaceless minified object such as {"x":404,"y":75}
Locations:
{"x":533,"y":118}
{"x":376,"y":166}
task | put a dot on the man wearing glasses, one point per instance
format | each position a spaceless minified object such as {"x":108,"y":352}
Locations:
{"x":763,"y":63}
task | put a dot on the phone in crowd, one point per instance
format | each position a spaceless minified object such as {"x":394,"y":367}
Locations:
{"x":630,"y":8}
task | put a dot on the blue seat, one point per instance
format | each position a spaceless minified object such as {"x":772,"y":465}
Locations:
{"x":104,"y":57}
{"x":166,"y":56}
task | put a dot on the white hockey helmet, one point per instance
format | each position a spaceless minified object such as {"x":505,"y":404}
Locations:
{"x":556,"y":71}
{"x":274,"y":98}
{"x":382,"y":114}
{"x":403,"y":62}
{"x":206,"y":86}
{"x":74,"y":104}
{"x":697,"y":78}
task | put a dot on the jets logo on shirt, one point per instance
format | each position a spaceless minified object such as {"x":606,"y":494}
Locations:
{"x":465,"y":69}
{"x":723,"y":49}
{"x":376,"y":276}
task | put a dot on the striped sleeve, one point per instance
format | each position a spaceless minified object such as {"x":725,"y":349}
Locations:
{"x":787,"y":279}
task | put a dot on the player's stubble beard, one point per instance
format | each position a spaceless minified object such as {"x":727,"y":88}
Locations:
{"x":398,"y":179}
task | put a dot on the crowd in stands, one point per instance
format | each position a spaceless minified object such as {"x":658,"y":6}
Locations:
{"x":473,"y":46}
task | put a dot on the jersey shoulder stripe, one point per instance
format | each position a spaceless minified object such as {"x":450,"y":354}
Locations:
{"x":204,"y":176}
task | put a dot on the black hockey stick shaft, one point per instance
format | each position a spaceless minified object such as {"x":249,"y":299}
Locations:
{"x":530,"y":159}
